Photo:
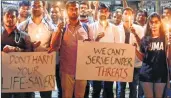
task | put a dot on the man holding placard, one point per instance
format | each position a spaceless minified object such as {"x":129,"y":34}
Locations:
{"x":103,"y":31}
{"x":67,"y":43}
{"x":14,"y":40}
{"x":130,"y":34}
{"x":40,"y":31}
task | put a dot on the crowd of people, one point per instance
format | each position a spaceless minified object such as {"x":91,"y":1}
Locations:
{"x":31,"y":28}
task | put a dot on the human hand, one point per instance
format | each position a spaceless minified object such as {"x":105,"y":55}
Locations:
{"x":60,"y":26}
{"x":99,"y":36}
{"x":36,"y":44}
{"x":50,"y":50}
{"x":9,"y":48}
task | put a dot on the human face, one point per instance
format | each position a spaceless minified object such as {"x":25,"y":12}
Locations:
{"x":141,"y":18}
{"x":103,"y":14}
{"x":127,"y":16}
{"x":10,"y":19}
{"x":37,"y":8}
{"x":166,"y":13}
{"x":55,"y":13}
{"x":154,"y":24}
{"x":117,"y":17}
{"x":73,"y":11}
{"x":83,"y":10}
{"x":24,"y":11}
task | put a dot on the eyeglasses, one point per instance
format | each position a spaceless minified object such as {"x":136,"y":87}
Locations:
{"x":37,"y":6}
{"x":154,"y":22}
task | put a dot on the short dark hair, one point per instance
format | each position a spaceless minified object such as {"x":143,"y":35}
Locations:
{"x":143,"y":11}
{"x":103,"y":6}
{"x":70,"y":3}
{"x":56,"y":7}
{"x":10,"y":9}
{"x":24,"y":3}
{"x":169,"y":8}
{"x":41,"y":1}
{"x":128,"y":9}
{"x":119,"y":8}
{"x":84,"y":3}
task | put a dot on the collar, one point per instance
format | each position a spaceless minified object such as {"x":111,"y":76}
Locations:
{"x":5,"y":31}
{"x":79,"y":23}
{"x":102,"y":25}
{"x":31,"y":21}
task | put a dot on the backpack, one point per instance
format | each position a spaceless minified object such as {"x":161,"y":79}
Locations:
{"x":64,"y":29}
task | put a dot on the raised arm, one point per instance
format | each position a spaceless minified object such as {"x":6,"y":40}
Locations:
{"x":125,"y":4}
{"x":56,"y":38}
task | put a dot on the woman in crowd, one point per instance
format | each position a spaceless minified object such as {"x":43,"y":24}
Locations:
{"x":153,"y":73}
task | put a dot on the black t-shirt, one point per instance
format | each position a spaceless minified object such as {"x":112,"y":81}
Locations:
{"x":16,"y":39}
{"x":154,"y":68}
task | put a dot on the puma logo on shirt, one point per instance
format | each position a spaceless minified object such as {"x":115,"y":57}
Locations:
{"x":157,"y":46}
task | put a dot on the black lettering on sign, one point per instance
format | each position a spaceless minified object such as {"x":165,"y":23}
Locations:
{"x":109,"y":51}
{"x":2,"y":82}
{"x":106,"y":60}
{"x":19,"y":59}
{"x":16,"y":80}
{"x":12,"y":59}
{"x":49,"y":81}
{"x":100,"y":51}
{"x":45,"y":59}
{"x":39,"y":59}
{"x":22,"y":82}
{"x":27,"y":71}
{"x":43,"y":82}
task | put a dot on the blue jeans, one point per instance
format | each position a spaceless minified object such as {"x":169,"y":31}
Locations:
{"x":132,"y":86}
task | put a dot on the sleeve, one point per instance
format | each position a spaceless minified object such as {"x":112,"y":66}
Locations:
{"x":28,"y":47}
{"x":91,"y":33}
{"x":142,"y":45}
{"x":56,"y":40}
{"x":141,"y":32}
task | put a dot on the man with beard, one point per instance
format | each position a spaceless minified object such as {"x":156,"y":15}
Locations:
{"x":84,"y":19}
{"x":84,"y":12}
{"x":67,"y":43}
{"x":13,"y":40}
{"x":40,"y":31}
{"x":103,"y":31}
{"x":24,"y":7}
